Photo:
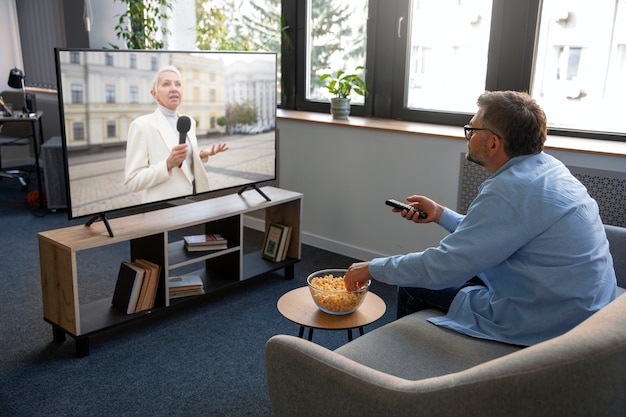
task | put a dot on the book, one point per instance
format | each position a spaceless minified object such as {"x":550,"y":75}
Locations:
{"x":206,"y":247}
{"x":285,"y":248}
{"x":276,"y":242}
{"x":209,"y":241}
{"x":127,"y":287}
{"x":205,"y":240}
{"x":144,"y":288}
{"x":153,"y":273}
{"x":185,"y":285}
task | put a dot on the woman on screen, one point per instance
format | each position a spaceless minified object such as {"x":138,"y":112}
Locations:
{"x":156,"y":163}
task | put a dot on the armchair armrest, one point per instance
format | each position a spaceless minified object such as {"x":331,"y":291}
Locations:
{"x":305,"y":379}
{"x":578,"y":374}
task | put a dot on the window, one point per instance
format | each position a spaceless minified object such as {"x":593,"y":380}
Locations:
{"x":77,"y":93}
{"x":108,"y":60}
{"x":111,"y":129}
{"x":132,"y":61}
{"x":109,"y":93}
{"x":336,"y":39}
{"x":448,"y":43}
{"x":133,"y":94}
{"x":579,"y":64}
{"x":75,"y":57}
{"x":78,"y":130}
{"x":428,"y":60}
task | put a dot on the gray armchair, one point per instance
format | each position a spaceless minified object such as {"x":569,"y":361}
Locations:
{"x":412,"y":368}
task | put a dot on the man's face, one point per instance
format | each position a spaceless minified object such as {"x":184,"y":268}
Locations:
{"x":168,"y":90}
{"x":476,"y":141}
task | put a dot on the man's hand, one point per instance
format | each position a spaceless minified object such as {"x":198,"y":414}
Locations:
{"x":428,"y":206}
{"x":357,"y":275}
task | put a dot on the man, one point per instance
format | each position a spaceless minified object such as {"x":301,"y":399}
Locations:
{"x":530,"y":259}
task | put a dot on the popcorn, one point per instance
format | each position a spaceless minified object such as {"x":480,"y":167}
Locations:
{"x":330,"y":293}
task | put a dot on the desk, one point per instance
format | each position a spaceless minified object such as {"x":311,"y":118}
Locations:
{"x":37,"y":138}
{"x":298,"y":307}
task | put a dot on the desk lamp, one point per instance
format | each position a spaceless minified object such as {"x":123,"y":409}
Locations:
{"x":16,"y":80}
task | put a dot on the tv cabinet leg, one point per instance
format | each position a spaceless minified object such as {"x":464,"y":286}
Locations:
{"x":290,"y":272}
{"x":58,"y":334}
{"x":82,"y":346}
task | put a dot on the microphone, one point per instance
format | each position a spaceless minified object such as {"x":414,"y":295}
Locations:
{"x":183,"y":125}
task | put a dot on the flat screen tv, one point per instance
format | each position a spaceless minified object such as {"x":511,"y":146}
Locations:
{"x":230,"y":97}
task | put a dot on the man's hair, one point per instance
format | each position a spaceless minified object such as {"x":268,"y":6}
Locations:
{"x":169,"y":68}
{"x":518,"y":118}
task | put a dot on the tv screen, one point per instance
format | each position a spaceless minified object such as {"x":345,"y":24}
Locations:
{"x":118,"y":133}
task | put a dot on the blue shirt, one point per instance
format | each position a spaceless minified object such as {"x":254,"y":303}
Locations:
{"x":534,"y":236}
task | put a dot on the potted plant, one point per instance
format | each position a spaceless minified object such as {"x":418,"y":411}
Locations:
{"x":341,"y":84}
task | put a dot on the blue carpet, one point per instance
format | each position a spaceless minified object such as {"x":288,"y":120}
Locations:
{"x":202,"y":359}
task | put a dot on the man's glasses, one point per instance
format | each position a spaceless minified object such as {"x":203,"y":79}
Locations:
{"x":469,"y":131}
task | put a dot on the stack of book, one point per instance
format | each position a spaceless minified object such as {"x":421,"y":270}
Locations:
{"x":211,"y":241}
{"x":136,"y":286}
{"x":185,"y":286}
{"x":276,"y":243}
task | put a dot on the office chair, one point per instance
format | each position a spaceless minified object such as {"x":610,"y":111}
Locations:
{"x":15,"y":134}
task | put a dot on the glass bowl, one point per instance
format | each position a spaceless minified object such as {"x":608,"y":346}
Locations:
{"x":330,"y":294}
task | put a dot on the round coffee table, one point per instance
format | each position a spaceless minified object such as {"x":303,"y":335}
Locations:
{"x":298,"y":307}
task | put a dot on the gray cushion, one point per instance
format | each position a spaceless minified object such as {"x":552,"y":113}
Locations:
{"x":413,"y":348}
{"x":617,"y":245}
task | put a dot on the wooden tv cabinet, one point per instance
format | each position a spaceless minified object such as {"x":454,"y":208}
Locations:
{"x":153,"y":236}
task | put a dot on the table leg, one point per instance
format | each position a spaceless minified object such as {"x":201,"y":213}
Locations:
{"x":350,"y":333}
{"x":301,"y":332}
{"x":310,"y":334}
{"x":290,"y":272}
{"x":37,"y":140}
{"x":58,"y":334}
{"x":82,"y":346}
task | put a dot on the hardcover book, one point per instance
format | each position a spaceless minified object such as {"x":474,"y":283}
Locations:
{"x":127,"y":288}
{"x":185,"y":285}
{"x":212,"y":241}
{"x":151,"y":281}
{"x":205,"y":240}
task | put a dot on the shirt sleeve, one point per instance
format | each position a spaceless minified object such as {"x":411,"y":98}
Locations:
{"x":490,"y":232}
{"x":450,"y":219}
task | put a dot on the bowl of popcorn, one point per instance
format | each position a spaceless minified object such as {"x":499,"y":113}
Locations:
{"x":330,"y":294}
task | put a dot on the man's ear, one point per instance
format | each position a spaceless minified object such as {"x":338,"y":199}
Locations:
{"x":494,"y":142}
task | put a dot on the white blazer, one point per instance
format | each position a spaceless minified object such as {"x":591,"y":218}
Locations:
{"x":149,"y":144}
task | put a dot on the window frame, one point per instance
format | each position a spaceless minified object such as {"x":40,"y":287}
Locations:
{"x":511,"y":48}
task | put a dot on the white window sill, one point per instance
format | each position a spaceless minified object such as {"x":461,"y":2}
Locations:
{"x":563,"y":143}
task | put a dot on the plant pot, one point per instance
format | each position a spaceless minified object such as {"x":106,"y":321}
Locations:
{"x":340,"y":108}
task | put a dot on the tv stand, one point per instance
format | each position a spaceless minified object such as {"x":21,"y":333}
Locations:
{"x":104,"y":219}
{"x":255,"y":187}
{"x":156,"y":236}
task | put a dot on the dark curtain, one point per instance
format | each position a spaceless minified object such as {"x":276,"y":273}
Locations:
{"x":45,"y":25}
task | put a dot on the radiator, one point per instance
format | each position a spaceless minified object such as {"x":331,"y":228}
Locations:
{"x":608,"y":188}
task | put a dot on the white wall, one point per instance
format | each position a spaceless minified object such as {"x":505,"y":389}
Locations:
{"x":346,"y":173}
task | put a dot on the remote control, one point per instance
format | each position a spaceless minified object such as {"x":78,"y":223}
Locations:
{"x":403,"y":206}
